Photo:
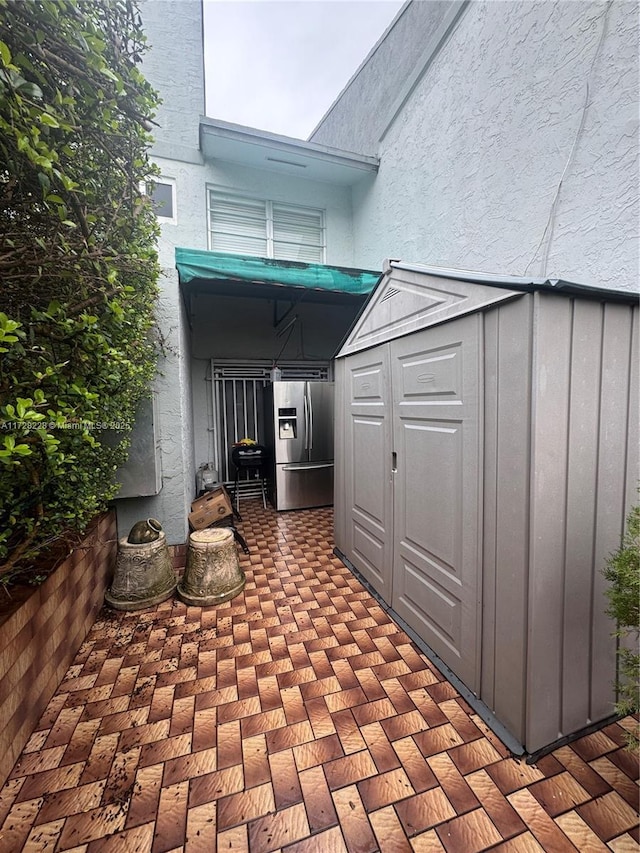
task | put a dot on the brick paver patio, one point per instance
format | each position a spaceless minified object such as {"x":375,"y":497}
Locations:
{"x":296,"y":718}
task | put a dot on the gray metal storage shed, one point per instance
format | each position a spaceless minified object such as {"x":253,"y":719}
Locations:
{"x":486,"y":458}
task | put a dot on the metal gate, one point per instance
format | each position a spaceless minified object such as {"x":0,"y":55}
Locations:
{"x":238,"y":410}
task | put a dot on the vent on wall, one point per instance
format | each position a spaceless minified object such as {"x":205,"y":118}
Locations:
{"x":391,"y":292}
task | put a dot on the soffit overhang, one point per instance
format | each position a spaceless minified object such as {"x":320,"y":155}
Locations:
{"x":258,"y":149}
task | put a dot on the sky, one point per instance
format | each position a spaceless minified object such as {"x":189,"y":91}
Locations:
{"x":278,"y":65}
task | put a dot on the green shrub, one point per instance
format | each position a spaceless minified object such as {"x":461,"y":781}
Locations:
{"x":623,"y":573}
{"x":77,"y":260}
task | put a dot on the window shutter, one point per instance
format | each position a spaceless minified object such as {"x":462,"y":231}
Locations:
{"x":238,"y":225}
{"x":246,"y":226}
{"x":298,"y":234}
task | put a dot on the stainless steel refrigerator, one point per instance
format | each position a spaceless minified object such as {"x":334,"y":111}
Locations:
{"x":300,"y":437}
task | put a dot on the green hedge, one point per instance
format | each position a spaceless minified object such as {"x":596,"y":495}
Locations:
{"x":623,"y":573}
{"x":77,"y":261}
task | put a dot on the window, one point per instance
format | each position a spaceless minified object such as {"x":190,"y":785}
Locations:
{"x":267,"y":229}
{"x":163,"y":199}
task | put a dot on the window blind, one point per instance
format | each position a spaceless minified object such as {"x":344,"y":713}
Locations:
{"x":247,"y":226}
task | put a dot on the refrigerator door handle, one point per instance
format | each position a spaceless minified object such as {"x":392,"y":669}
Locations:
{"x":310,"y":419}
{"x":307,"y":429}
{"x":307,"y":467}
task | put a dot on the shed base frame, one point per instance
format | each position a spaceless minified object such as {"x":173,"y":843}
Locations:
{"x":482,"y":710}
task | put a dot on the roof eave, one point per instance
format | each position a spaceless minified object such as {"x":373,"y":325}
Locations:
{"x":260,"y":149}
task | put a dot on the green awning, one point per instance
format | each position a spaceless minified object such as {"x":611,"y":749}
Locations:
{"x":199,"y":264}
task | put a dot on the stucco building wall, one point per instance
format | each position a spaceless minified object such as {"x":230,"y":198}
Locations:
{"x":218,"y":331}
{"x":517,"y":150}
{"x":174,"y":66}
{"x":192,"y":183}
{"x":353,"y":122}
{"x":175,"y":426}
{"x":174,"y":32}
{"x":508,"y":142}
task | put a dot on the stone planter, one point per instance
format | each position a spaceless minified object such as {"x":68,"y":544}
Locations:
{"x":144,"y":575}
{"x":213,"y":572}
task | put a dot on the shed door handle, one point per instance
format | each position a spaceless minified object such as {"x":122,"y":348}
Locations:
{"x":394,"y":462}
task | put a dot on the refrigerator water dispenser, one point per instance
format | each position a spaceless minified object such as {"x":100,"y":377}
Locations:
{"x":287,"y":423}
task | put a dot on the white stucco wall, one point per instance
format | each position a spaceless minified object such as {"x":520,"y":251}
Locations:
{"x":174,"y":65}
{"x":517,"y":152}
{"x":351,"y":123}
{"x":190,"y":230}
{"x":173,"y":386}
{"x":202,"y":411}
{"x":192,"y":181}
{"x":174,"y":32}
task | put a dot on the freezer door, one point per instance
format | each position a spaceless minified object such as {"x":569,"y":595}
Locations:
{"x":320,"y":419}
{"x":305,"y":484}
{"x":290,"y":415}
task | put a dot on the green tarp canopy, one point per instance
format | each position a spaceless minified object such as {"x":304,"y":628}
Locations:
{"x":199,"y":264}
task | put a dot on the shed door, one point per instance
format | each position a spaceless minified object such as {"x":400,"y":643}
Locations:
{"x":367,"y":467}
{"x":437,"y":438}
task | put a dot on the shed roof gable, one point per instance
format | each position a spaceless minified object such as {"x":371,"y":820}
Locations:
{"x":409,"y":297}
{"x":406,"y":300}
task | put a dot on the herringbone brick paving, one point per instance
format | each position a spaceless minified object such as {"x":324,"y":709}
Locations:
{"x":296,"y":718}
